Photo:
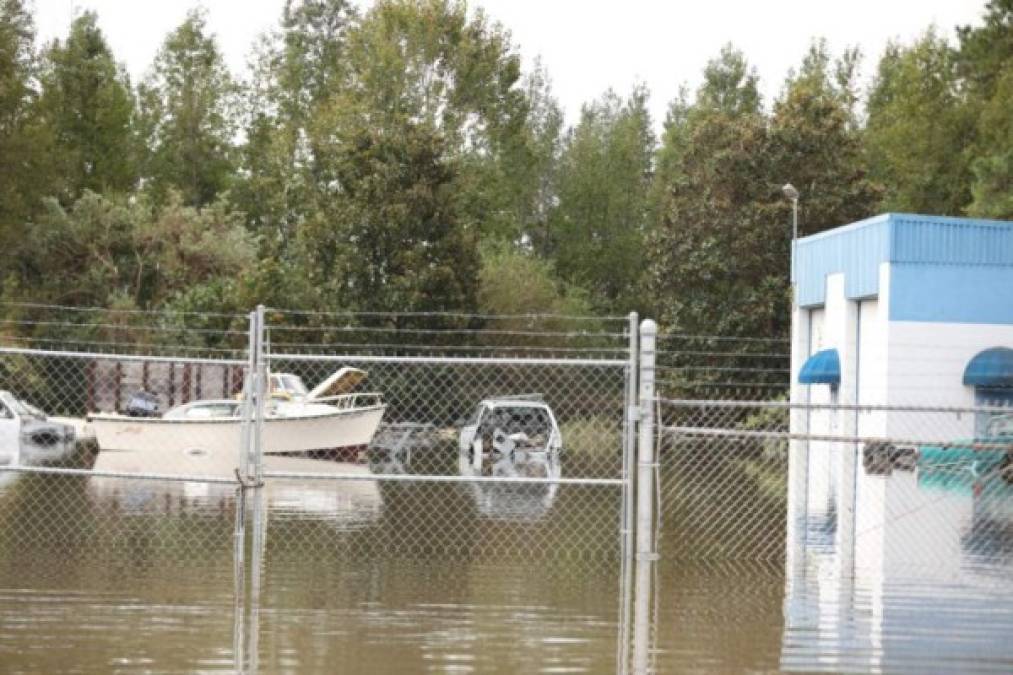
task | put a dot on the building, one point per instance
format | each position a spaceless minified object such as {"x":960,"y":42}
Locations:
{"x":902,"y":325}
{"x":904,"y":310}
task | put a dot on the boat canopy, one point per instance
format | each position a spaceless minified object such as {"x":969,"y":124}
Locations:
{"x":990,"y":368}
{"x":343,"y":381}
{"x":823,"y":367}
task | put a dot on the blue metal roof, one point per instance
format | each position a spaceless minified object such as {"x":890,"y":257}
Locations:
{"x":942,"y":268}
{"x":990,"y":368}
{"x":821,"y":368}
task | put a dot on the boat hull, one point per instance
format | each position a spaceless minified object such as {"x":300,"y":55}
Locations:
{"x":212,"y":446}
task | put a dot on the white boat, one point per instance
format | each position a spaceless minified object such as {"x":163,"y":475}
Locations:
{"x":204,"y":437}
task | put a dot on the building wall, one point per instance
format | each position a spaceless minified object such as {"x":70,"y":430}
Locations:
{"x":926,"y":366}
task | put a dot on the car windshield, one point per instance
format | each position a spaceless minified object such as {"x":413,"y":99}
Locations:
{"x":476,"y":415}
{"x":520,"y":419}
{"x":23,"y":409}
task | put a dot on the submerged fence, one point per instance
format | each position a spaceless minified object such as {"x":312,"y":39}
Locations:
{"x":295,"y":462}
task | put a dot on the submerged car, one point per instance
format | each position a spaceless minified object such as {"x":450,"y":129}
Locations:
{"x":988,"y":454}
{"x":508,"y":425}
{"x":28,"y":436}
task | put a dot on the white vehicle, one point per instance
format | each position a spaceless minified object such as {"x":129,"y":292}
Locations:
{"x":28,"y":436}
{"x":510,"y":425}
{"x":203,"y":437}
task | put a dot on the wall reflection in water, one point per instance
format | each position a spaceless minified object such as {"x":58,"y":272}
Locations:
{"x":905,"y":568}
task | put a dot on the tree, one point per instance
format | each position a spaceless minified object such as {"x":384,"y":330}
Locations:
{"x":730,"y":87}
{"x":87,"y":102}
{"x":720,"y":250}
{"x":520,"y":185}
{"x":919,"y":129}
{"x":296,"y":71}
{"x":188,"y":116}
{"x":596,"y":232}
{"x":717,"y":253}
{"x":985,"y":63}
{"x":25,"y":170}
{"x":392,"y":240}
{"x":127,"y":251}
{"x":992,"y":189}
{"x":514,"y":282}
{"x":816,"y":144}
{"x":428,"y":61}
{"x":986,"y":51}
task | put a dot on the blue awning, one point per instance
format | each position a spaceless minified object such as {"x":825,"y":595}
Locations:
{"x":990,"y":368}
{"x":821,"y":368}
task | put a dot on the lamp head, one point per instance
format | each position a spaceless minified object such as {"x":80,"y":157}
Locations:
{"x":789,"y":191}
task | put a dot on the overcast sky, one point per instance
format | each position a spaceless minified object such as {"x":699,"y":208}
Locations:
{"x":587,"y":45}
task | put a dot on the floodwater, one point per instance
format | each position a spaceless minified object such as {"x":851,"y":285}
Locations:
{"x":111,"y":575}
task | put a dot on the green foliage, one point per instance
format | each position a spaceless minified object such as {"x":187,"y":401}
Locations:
{"x":392,"y":240}
{"x":430,"y":62}
{"x":87,"y":101}
{"x":919,"y":128}
{"x":992,"y":189}
{"x":985,"y":62}
{"x":296,"y":72}
{"x":596,"y":233}
{"x":188,"y":109}
{"x":514,"y":281}
{"x":25,"y":145}
{"x":127,"y":252}
{"x":816,"y":145}
{"x":719,"y":252}
{"x":397,"y":159}
{"x":986,"y":51}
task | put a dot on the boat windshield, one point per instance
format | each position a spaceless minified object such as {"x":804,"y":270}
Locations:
{"x":290,"y":384}
{"x":210,"y":410}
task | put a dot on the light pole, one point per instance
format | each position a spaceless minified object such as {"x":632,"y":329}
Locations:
{"x":791,"y":193}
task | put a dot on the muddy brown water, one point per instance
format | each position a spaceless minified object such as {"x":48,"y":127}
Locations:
{"x":104,"y":575}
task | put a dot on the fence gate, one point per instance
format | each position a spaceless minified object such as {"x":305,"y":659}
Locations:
{"x":424,"y":497}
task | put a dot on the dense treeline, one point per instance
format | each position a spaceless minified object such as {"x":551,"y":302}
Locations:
{"x":398,"y":159}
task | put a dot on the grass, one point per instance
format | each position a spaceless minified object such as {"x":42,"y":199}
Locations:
{"x":592,"y":436}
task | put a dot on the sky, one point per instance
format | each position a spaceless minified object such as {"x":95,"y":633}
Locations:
{"x":587,"y":46}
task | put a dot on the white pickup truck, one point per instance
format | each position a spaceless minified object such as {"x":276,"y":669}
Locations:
{"x":28,"y":436}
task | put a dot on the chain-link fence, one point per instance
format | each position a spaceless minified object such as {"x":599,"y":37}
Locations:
{"x":881,"y":494}
{"x":283,"y":466}
{"x":348,"y":474}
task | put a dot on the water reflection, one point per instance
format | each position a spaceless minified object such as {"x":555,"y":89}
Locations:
{"x":353,"y":502}
{"x":513,"y":501}
{"x":910,"y":571}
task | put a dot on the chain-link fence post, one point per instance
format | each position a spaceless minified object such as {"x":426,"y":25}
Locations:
{"x":626,"y":526}
{"x":249,"y":497}
{"x":245,"y":464}
{"x":645,"y":500}
{"x":261,"y":391}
